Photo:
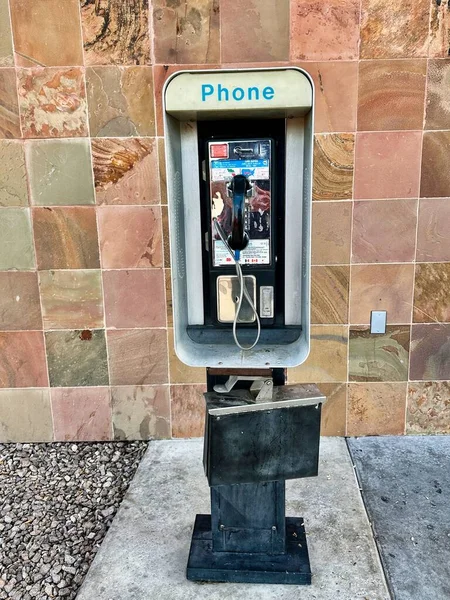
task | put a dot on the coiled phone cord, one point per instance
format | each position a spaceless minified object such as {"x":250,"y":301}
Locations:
{"x":242,"y":289}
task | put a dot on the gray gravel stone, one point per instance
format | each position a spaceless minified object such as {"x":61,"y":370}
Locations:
{"x":56,"y":504}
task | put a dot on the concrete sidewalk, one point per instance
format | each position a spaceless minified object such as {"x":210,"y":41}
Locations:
{"x":144,"y":554}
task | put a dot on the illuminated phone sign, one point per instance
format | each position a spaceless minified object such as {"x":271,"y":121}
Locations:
{"x":222,"y":93}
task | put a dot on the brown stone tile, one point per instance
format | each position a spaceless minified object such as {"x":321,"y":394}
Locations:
{"x":13,"y":176}
{"x":391,"y":94}
{"x":432,"y":293}
{"x":433,"y":241}
{"x":376,"y":408}
{"x":22,"y":360}
{"x":120,"y":101}
{"x":438,"y":101}
{"x":336,"y":94}
{"x":81,"y":414}
{"x":333,"y":166}
{"x":77,"y":358}
{"x":6,"y":45}
{"x":19,"y":301}
{"x":115,"y":32}
{"x":138,"y":356}
{"x":430,"y":351}
{"x":384,"y":231}
{"x":381,"y":287}
{"x":166,"y":237}
{"x":9,"y":107}
{"x":125,"y":170}
{"x":134,"y":298}
{"x":435,"y":175}
{"x":162,"y":170}
{"x":25,"y":416}
{"x":428,"y":407}
{"x":61,"y":42}
{"x":329,"y":294}
{"x":387,"y":164}
{"x":52,"y":102}
{"x":186,"y":31}
{"x":331,"y":230}
{"x":66,"y":238}
{"x":179,"y":372}
{"x":130,"y":236}
{"x":168,"y":281}
{"x":188,"y":410}
{"x":379,"y":357}
{"x":141,"y":412}
{"x":324,"y":31}
{"x":333,"y":420}
{"x":71,"y":299}
{"x":439,"y":36}
{"x":327,"y":361}
{"x":269,"y":39}
{"x":390,"y":30}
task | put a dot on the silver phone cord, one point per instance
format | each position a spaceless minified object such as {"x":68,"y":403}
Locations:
{"x":242,"y":290}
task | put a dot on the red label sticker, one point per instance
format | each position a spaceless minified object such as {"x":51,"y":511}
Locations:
{"x":219,"y":150}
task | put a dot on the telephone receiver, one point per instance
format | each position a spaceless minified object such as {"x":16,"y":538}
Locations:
{"x":238,"y":190}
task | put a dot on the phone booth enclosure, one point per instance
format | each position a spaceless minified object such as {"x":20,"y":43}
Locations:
{"x":257,"y":123}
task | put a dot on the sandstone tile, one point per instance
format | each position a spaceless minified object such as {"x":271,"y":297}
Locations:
{"x":379,"y":357}
{"x":6,"y":45}
{"x":9,"y":106}
{"x":327,"y":361}
{"x":125,"y":170}
{"x":71,"y":299}
{"x":428,"y":407}
{"x":60,"y":172}
{"x":430,"y":351}
{"x":381,"y":287}
{"x":433,"y":241}
{"x":120,"y":101}
{"x":115,"y":32}
{"x":439,"y":35}
{"x":435,"y":174}
{"x":22,"y":360}
{"x":438,"y":101}
{"x":134,"y":298}
{"x":169,"y":308}
{"x":162,"y":170}
{"x":188,"y":410}
{"x":391,"y":94}
{"x":387,"y":164}
{"x":336,"y":88}
{"x":25,"y":416}
{"x":81,"y":414}
{"x":333,"y":420}
{"x":432,"y":293}
{"x":166,"y":236}
{"x":16,"y":242}
{"x":329,"y":294}
{"x":66,"y":238}
{"x":46,"y":32}
{"x":390,"y":30}
{"x":384,"y":231}
{"x":324,"y":31}
{"x":268,"y":40}
{"x":138,"y":356}
{"x":52,"y":102}
{"x":179,"y":372}
{"x":13,"y":178}
{"x":130,"y":236}
{"x":77,"y":358}
{"x":331,"y":230}
{"x":186,"y":31}
{"x":141,"y":412}
{"x":333,"y":166}
{"x":20,"y":307}
{"x":376,"y":408}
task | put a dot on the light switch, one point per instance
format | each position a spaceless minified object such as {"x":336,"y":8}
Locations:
{"x":378,"y":321}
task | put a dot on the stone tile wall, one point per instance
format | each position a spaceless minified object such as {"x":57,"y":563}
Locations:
{"x":86,"y":342}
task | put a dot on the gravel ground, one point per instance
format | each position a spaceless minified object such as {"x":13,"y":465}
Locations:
{"x":56,"y":504}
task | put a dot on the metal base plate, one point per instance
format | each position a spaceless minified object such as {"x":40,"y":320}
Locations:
{"x":289,"y":568}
